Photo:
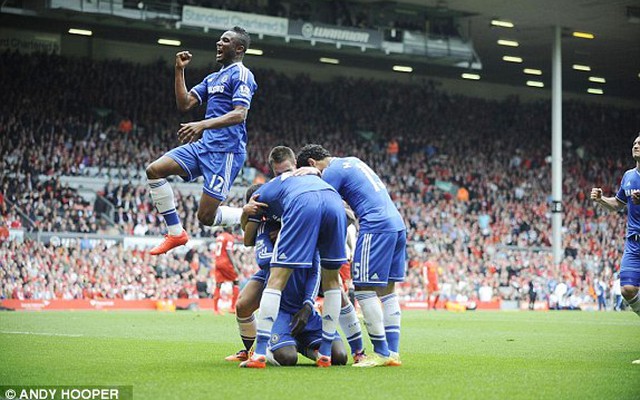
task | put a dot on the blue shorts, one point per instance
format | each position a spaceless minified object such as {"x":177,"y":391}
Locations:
{"x":219,"y":170}
{"x":630,"y":266}
{"x":379,"y":258}
{"x":310,"y":337}
{"x":315,"y":220}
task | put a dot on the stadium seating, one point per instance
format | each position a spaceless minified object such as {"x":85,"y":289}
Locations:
{"x":471,"y":179}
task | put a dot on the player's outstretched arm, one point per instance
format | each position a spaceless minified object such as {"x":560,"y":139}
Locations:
{"x":184,"y":99}
{"x":609,"y":203}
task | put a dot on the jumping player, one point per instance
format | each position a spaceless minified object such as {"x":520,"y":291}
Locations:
{"x":213,"y":148}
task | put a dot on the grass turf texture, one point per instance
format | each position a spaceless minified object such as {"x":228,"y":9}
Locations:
{"x":481,"y":355}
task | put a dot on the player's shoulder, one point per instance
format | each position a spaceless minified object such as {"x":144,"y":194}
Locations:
{"x":631,"y":172}
{"x":241,"y":72}
{"x":339,"y":164}
{"x":211,"y":76}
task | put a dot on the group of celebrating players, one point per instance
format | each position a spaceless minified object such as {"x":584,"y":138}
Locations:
{"x":298,"y":223}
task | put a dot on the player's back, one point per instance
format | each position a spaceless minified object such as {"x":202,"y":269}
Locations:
{"x":280,"y":192}
{"x":223,"y":246}
{"x":365,"y":193}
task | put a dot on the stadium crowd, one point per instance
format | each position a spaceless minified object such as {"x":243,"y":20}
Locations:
{"x":472,"y":186}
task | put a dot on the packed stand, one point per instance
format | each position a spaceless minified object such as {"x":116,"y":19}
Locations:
{"x":87,"y":270}
{"x":472,"y":185}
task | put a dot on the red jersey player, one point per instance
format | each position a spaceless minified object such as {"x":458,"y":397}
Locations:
{"x":430,"y":272}
{"x":227,"y":267}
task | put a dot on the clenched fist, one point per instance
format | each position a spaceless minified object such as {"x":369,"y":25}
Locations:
{"x":182,"y":59}
{"x":596,"y":194}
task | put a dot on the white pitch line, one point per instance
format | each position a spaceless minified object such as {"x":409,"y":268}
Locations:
{"x":41,"y":333}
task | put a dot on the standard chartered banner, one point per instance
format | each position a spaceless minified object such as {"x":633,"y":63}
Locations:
{"x":29,"y":42}
{"x":335,"y":34}
{"x":221,"y":19}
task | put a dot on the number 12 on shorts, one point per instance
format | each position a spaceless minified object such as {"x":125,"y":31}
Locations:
{"x":216,"y":184}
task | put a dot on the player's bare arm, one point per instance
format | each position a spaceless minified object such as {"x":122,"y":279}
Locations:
{"x":250,"y":233}
{"x":184,"y":100}
{"x":192,"y":131}
{"x":608,"y":203}
{"x":235,"y":263}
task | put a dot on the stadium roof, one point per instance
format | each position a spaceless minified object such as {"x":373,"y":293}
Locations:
{"x":614,"y":53}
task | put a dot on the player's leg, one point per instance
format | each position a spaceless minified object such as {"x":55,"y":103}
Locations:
{"x":632,"y":295}
{"x":234,"y":295}
{"x":366,"y":273}
{"x":280,"y":339}
{"x":267,"y":314}
{"x":248,"y":303}
{"x":179,"y":161}
{"x":630,"y":277}
{"x":308,"y":342}
{"x":392,"y":313}
{"x":216,"y":296}
{"x":286,"y":356}
{"x":350,"y":325}
{"x":349,"y":322}
{"x":331,"y":245}
{"x":330,"y":312}
{"x":338,"y":353}
{"x":219,"y":173}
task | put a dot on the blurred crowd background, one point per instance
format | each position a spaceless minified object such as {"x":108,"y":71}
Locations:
{"x":470,"y":176}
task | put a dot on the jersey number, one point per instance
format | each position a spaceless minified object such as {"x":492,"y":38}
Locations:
{"x":218,"y":249}
{"x":216,"y":183}
{"x":371,"y":176}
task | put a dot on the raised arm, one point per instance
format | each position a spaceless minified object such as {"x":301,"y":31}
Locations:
{"x":608,"y":203}
{"x":185,"y":100}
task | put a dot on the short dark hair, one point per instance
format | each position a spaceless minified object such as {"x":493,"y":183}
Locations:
{"x":314,"y":151}
{"x":242,"y":36}
{"x":250,"y":191}
{"x":281,"y":153}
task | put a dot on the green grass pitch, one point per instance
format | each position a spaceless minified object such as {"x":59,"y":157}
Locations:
{"x":481,"y":355}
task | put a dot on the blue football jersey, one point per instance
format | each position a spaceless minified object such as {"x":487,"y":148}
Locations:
{"x":223,"y":90}
{"x":630,"y":184}
{"x":264,"y":246}
{"x":303,"y":284}
{"x":365,"y":193}
{"x":280,"y":191}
